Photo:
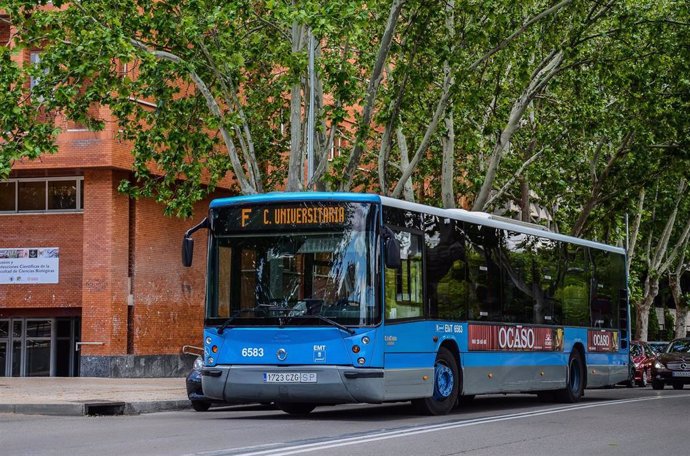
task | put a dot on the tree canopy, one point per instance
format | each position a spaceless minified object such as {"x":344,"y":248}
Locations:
{"x":579,"y":106}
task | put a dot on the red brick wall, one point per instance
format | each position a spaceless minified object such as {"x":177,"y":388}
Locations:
{"x":168,"y":298}
{"x":44,"y":230}
{"x":105,"y":247}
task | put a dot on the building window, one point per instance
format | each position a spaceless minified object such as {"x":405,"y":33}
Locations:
{"x":31,"y":196}
{"x":4,"y":31}
{"x":8,"y":196}
{"x":63,"y":194}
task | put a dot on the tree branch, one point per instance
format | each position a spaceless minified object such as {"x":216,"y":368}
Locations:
{"x":370,"y":97}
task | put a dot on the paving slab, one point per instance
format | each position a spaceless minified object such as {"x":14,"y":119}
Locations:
{"x":78,"y":396}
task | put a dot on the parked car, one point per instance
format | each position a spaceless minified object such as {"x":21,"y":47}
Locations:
{"x":659,"y":346}
{"x":673,"y":366}
{"x":195,"y":393}
{"x":642,"y":358}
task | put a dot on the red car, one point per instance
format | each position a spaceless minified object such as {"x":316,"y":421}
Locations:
{"x":642,"y":359}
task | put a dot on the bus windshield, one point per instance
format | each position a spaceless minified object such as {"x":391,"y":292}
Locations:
{"x":295,"y":275}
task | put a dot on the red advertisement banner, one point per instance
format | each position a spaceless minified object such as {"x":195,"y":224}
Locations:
{"x":602,"y":340}
{"x":514,"y":338}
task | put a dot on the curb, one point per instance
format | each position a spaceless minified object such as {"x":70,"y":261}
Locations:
{"x":102,"y":408}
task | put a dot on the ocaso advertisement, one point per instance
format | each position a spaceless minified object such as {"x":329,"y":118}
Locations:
{"x":514,"y":338}
{"x":602,"y":340}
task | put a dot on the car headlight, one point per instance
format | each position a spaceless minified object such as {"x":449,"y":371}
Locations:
{"x":659,"y":366}
{"x":198,"y":364}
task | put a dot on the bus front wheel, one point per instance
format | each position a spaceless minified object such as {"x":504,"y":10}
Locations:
{"x":575,"y":384}
{"x":446,"y":386}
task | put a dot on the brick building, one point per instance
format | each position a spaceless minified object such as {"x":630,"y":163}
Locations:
{"x":91,"y":281}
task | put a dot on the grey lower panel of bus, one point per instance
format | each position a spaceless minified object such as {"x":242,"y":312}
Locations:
{"x":518,"y":379}
{"x":335,"y":384}
{"x":598,"y":376}
{"x":515,"y":379}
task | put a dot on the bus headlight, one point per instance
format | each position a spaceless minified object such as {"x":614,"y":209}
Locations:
{"x":361,"y":361}
{"x":365,"y":340}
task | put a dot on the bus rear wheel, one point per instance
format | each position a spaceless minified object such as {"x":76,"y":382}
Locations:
{"x":446,"y":386}
{"x":296,"y":408}
{"x":575,"y":384}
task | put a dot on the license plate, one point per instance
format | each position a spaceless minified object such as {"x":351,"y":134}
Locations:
{"x":289,"y":377}
{"x":681,"y":374}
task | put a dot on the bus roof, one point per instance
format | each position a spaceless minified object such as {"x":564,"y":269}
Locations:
{"x":278,"y":197}
{"x":480,"y":218}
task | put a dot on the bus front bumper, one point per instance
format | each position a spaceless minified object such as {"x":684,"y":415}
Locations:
{"x":331,"y":385}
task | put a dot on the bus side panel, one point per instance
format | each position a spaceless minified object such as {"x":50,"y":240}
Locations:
{"x":604,"y":368}
{"x":512,"y":372}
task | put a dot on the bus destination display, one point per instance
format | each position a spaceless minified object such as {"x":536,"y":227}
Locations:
{"x":292,"y":216}
{"x":260,"y":218}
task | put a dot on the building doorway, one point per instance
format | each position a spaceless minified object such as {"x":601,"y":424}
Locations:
{"x":39,"y":347}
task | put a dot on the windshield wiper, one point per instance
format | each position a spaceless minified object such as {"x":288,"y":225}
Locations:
{"x":239,"y":312}
{"x":350,"y":331}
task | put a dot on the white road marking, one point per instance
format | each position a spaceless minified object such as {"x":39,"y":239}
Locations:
{"x":415,"y":430}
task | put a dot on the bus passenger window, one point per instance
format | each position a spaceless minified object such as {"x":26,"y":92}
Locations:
{"x":404,"y":293}
{"x":606,"y":284}
{"x":521,"y":292}
{"x":574,"y":291}
{"x":484,"y":295}
{"x":549,"y":276}
{"x":446,"y":268}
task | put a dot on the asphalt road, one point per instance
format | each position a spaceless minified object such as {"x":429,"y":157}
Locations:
{"x":613,"y":421}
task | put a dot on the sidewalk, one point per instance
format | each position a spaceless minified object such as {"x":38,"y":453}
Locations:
{"x":78,"y":396}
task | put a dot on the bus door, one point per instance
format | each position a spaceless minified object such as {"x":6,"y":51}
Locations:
{"x":409,"y":349}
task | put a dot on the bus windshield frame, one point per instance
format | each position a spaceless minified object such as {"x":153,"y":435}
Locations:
{"x":304,"y":263}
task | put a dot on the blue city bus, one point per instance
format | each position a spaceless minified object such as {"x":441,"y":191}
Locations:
{"x":330,"y":298}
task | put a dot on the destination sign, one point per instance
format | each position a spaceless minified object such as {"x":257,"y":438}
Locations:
{"x":309,"y":215}
{"x":293,"y":216}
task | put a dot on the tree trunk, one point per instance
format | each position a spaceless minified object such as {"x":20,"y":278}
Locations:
{"x":447,"y":167}
{"x":681,"y":305}
{"x":651,"y":290}
{"x":524,"y":198}
{"x":681,"y":319}
{"x":448,"y":141}
{"x":408,"y":192}
{"x":295,"y":165}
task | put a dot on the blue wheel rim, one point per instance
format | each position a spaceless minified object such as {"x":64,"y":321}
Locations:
{"x":444,"y":382}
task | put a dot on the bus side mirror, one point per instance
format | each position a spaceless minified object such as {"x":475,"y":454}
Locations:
{"x":391,"y":249}
{"x":187,"y":251}
{"x":188,"y":243}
